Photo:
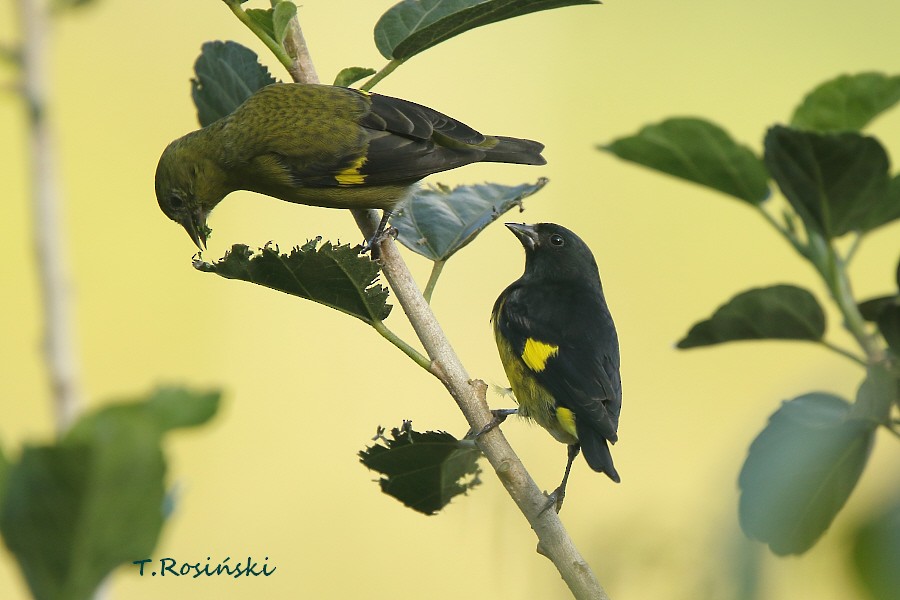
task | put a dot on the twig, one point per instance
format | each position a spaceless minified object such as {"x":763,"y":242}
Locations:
{"x":49,"y":238}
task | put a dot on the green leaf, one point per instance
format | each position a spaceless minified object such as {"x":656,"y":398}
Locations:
{"x":780,"y":312}
{"x":227,"y":74}
{"x":800,"y":470}
{"x":59,"y":6}
{"x":436,"y":222}
{"x":336,"y":276}
{"x":351,"y":75}
{"x":75,"y":510}
{"x":837,"y":183}
{"x":876,"y":395}
{"x":423,"y":470}
{"x":889,"y":326}
{"x":412,"y":26}
{"x":282,"y":14}
{"x":263,"y":18}
{"x":871,"y":309}
{"x":847,"y":103}
{"x":876,"y":546}
{"x":698,"y":151}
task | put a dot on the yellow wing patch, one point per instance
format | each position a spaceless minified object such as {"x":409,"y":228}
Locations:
{"x":351,"y":175}
{"x":566,"y":420}
{"x":536,"y":354}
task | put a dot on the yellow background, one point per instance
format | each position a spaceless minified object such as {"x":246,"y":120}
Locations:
{"x":276,"y":473}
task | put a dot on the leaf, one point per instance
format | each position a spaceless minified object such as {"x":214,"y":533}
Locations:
{"x":889,"y":326}
{"x":837,"y":183}
{"x":75,"y":510}
{"x":780,"y":312}
{"x":423,"y":470}
{"x":282,"y":14}
{"x":436,"y":222}
{"x":412,"y":26}
{"x":263,"y":18}
{"x":800,"y":470}
{"x":876,"y":546}
{"x":698,"y":151}
{"x":847,"y":103}
{"x":351,"y":75}
{"x":227,"y":74}
{"x":336,"y":276}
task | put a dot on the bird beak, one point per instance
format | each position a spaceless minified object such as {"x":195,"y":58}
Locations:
{"x":526,"y":234}
{"x":195,"y":225}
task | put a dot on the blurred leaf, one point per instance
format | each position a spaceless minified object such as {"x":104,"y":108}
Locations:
{"x":351,"y":75}
{"x":837,"y":183}
{"x":780,"y":312}
{"x":227,"y":74}
{"x":871,"y":309}
{"x":75,"y":510}
{"x":59,"y":6}
{"x":412,"y":26}
{"x":423,"y":470}
{"x":889,"y":326}
{"x":876,"y":395}
{"x":876,"y":546}
{"x":848,"y":102}
{"x":336,"y":276}
{"x":437,"y":222}
{"x":263,"y":18}
{"x":282,"y":14}
{"x":800,"y":470}
{"x":698,"y":151}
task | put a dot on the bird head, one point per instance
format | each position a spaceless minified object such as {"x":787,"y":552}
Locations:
{"x":554,"y":252}
{"x":189,"y":184}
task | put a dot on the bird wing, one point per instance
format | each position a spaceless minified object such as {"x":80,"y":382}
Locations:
{"x":582,"y":373}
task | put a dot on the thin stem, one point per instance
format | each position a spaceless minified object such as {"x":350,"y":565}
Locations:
{"x":854,"y":246}
{"x":384,"y":72}
{"x":419,"y":358}
{"x":844,"y":352}
{"x":436,"y":269}
{"x":785,"y":233}
{"x":49,"y":236}
{"x":276,"y":48}
{"x":839,"y":286}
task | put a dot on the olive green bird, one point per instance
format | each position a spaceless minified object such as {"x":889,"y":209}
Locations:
{"x":320,"y":145}
{"x":559,"y":347}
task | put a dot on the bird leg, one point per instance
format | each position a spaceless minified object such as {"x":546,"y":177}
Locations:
{"x":499,"y":416}
{"x":381,"y":233}
{"x":559,"y":494}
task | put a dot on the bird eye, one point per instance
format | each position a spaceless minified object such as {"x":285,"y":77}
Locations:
{"x":557,"y":240}
{"x":176,"y":202}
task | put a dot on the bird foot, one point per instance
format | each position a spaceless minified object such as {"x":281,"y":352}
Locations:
{"x":499,"y":416}
{"x":555,"y":500}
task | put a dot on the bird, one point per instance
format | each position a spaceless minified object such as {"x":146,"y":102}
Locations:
{"x":320,"y":145}
{"x":558,"y":345}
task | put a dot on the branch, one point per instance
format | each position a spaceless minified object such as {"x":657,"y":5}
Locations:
{"x":49,"y":238}
{"x":553,"y":540}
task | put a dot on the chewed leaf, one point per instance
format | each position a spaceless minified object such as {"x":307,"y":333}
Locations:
{"x":800,"y":471}
{"x":412,"y":26}
{"x":351,"y":75}
{"x":436,"y":222}
{"x":227,"y":74}
{"x":336,"y":276}
{"x":780,"y":312}
{"x":423,"y":470}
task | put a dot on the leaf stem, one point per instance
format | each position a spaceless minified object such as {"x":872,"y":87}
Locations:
{"x":276,"y":48}
{"x":436,"y":269}
{"x":788,"y":235}
{"x":419,"y":358}
{"x":844,"y":352}
{"x":384,"y":72}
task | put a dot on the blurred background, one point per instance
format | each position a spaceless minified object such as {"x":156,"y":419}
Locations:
{"x":276,"y":474}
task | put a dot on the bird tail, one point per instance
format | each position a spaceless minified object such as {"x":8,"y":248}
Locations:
{"x":514,"y":150}
{"x":596,"y":452}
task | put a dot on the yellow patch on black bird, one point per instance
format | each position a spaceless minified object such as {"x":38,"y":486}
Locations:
{"x":351,"y":175}
{"x":537,"y":353}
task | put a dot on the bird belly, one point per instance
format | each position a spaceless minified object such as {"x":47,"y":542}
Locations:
{"x":383,"y":196}
{"x":535,"y":401}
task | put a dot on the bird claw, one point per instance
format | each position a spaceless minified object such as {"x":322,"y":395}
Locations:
{"x":555,"y":500}
{"x":500,"y":415}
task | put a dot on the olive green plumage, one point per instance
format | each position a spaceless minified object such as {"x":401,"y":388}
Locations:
{"x":320,"y":145}
{"x":558,"y":345}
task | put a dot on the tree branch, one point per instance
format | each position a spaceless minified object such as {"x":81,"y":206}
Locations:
{"x":553,"y":540}
{"x":49,"y":238}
